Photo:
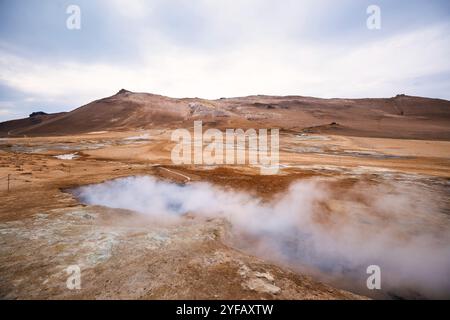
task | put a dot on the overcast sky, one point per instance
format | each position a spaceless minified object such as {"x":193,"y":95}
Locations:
{"x":215,"y":48}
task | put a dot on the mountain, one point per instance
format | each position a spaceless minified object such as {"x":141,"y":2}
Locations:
{"x":398,"y":117}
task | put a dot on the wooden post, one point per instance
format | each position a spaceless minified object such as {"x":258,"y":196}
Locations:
{"x":8,"y":181}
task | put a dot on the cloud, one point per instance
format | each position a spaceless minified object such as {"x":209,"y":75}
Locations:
{"x":382,"y":68}
{"x":212,"y":49}
{"x":4,"y":112}
{"x":8,"y":111}
{"x":130,"y":9}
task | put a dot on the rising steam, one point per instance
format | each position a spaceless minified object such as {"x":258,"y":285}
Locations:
{"x":312,"y":227}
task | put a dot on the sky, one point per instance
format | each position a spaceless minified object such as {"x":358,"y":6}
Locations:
{"x":219,"y":48}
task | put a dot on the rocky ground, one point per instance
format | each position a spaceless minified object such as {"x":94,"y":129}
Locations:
{"x":44,"y":228}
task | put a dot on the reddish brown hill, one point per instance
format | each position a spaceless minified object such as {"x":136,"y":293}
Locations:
{"x":8,"y":128}
{"x":398,"y":117}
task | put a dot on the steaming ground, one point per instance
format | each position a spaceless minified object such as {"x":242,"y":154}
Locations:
{"x":338,"y":204}
{"x":401,"y":225}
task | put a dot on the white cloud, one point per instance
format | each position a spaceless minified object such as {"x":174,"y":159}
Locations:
{"x":381,"y":68}
{"x":133,"y":9}
{"x":4,"y":112}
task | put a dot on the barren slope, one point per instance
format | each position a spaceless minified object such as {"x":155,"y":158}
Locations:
{"x":398,"y":117}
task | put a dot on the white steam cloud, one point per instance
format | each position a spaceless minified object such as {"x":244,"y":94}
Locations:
{"x":315,"y":228}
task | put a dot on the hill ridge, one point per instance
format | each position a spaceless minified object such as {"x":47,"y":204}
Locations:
{"x":401,"y":116}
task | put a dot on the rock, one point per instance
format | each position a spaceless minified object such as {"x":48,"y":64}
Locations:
{"x":266,"y":275}
{"x":123,"y":91}
{"x":37,"y":113}
{"x":261,"y":285}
